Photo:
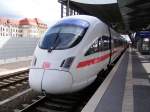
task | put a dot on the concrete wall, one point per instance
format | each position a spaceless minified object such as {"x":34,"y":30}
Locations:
{"x":17,"y":47}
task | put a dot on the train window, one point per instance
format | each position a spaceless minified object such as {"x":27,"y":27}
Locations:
{"x":95,"y":47}
{"x":105,"y":43}
{"x":100,"y":42}
{"x":63,"y":36}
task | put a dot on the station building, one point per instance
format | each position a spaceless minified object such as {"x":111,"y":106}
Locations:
{"x":22,"y":28}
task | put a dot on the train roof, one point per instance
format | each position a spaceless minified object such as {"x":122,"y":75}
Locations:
{"x":90,"y":19}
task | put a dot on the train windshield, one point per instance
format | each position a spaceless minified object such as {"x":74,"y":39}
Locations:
{"x":62,"y":36}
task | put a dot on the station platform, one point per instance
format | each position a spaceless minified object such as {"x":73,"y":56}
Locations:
{"x":126,"y":88}
{"x":14,"y":67}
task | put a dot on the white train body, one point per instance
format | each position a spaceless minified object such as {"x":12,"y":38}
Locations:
{"x":61,"y":67}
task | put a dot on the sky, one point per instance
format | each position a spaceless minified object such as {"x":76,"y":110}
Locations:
{"x":46,"y":10}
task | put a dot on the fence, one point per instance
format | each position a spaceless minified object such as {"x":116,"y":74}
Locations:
{"x":16,"y":48}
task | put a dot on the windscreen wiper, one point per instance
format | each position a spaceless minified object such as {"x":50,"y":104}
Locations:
{"x":56,"y":43}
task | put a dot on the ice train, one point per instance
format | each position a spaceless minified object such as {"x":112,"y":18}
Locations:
{"x":71,"y":53}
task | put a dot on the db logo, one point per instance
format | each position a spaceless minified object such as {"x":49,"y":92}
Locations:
{"x":46,"y":65}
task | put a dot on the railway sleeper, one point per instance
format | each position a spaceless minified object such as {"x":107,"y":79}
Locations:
{"x":43,"y":109}
{"x":9,"y":81}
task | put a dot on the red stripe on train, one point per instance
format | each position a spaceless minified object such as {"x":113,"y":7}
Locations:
{"x":94,"y":60}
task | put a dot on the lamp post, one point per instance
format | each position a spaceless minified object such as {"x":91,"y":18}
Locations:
{"x":67,"y":11}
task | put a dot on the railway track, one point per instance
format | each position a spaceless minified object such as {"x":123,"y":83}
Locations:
{"x":11,"y":84}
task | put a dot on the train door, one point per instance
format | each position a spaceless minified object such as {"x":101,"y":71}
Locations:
{"x":105,"y":50}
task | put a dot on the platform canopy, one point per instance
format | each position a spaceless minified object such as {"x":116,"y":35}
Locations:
{"x":123,"y":15}
{"x":135,"y":14}
{"x":96,"y":1}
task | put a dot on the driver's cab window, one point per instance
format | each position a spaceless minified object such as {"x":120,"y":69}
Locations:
{"x":95,"y":47}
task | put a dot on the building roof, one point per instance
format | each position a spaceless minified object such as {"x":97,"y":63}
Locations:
{"x":40,"y":23}
{"x":12,"y":22}
{"x":7,"y":21}
{"x":3,"y":20}
{"x":25,"y":21}
{"x":34,"y":22}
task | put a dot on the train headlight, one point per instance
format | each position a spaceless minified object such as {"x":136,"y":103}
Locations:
{"x":67,"y":62}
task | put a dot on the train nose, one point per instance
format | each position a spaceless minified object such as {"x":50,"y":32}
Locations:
{"x":35,"y":78}
{"x":55,"y":81}
{"x":50,"y":81}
